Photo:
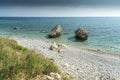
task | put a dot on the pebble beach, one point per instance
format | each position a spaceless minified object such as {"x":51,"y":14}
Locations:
{"x":82,"y":64}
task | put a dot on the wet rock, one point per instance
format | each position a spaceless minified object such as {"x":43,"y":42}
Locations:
{"x":81,"y":34}
{"x":50,"y":78}
{"x":55,"y":32}
{"x":16,"y":28}
{"x":55,"y":76}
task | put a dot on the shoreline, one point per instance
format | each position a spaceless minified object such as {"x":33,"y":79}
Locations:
{"x":80,"y":63}
{"x":88,"y":48}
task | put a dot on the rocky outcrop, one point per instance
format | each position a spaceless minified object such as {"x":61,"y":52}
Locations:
{"x":81,"y":34}
{"x":55,"y":32}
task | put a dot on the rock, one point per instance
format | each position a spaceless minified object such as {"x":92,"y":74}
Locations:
{"x":43,"y":47}
{"x":16,"y":28}
{"x":55,"y":76}
{"x":56,"y":47}
{"x":51,"y":59}
{"x":63,"y":45}
{"x":65,"y":65}
{"x":78,"y":69}
{"x":104,"y":77}
{"x":55,"y":32}
{"x":50,"y":78}
{"x":81,"y":34}
{"x":98,"y":49}
{"x":59,"y":50}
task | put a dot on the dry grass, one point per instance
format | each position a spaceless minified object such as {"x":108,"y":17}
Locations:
{"x":17,"y":62}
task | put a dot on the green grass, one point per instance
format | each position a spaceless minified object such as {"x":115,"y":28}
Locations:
{"x":19,"y":63}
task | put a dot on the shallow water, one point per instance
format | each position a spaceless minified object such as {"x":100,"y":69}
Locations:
{"x":104,"y":33}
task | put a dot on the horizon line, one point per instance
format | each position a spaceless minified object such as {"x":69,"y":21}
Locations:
{"x":58,"y":16}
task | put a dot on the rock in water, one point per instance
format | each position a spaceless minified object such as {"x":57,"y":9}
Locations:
{"x":81,"y":34}
{"x":55,"y":32}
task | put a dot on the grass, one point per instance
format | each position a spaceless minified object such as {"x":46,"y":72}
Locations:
{"x":19,"y":63}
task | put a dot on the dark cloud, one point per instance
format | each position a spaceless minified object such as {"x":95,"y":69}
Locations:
{"x":60,"y":2}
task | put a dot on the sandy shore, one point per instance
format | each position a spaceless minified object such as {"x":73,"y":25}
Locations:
{"x":80,"y":63}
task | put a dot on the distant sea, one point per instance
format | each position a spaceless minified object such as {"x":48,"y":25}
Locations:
{"x":104,"y":32}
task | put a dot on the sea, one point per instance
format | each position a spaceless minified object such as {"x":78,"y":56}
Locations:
{"x":104,"y":32}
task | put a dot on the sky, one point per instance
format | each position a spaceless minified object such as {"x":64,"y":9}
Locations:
{"x":59,"y":8}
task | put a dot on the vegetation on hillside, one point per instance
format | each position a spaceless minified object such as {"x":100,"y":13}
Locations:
{"x":19,"y":63}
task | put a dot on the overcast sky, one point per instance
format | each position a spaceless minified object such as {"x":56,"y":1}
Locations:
{"x":59,"y":8}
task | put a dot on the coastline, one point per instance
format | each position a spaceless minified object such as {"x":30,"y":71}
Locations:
{"x":83,"y":64}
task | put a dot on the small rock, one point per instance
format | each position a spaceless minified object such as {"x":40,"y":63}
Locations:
{"x":16,"y":28}
{"x":60,"y":50}
{"x":54,"y":47}
{"x":50,"y":78}
{"x":51,"y":59}
{"x":66,"y":65}
{"x":77,"y":68}
{"x":98,"y":49}
{"x":55,"y":75}
{"x":63,"y":45}
{"x":104,"y":77}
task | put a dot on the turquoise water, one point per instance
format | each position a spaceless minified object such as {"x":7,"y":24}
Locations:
{"x":104,"y":33}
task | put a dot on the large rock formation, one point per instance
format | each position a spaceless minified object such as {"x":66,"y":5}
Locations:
{"x":55,"y":32}
{"x":81,"y":34}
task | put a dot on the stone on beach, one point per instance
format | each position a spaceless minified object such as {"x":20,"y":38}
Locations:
{"x":50,"y":78}
{"x":55,"y":76}
{"x":65,"y":65}
{"x":83,"y":64}
{"x":56,"y":47}
{"x":81,"y":34}
{"x":104,"y":77}
{"x":55,"y":32}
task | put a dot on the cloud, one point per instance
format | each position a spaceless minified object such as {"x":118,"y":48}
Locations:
{"x":58,"y":12}
{"x":59,"y":2}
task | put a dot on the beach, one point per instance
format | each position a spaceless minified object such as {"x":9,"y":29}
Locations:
{"x":83,"y":64}
{"x":97,"y":58}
